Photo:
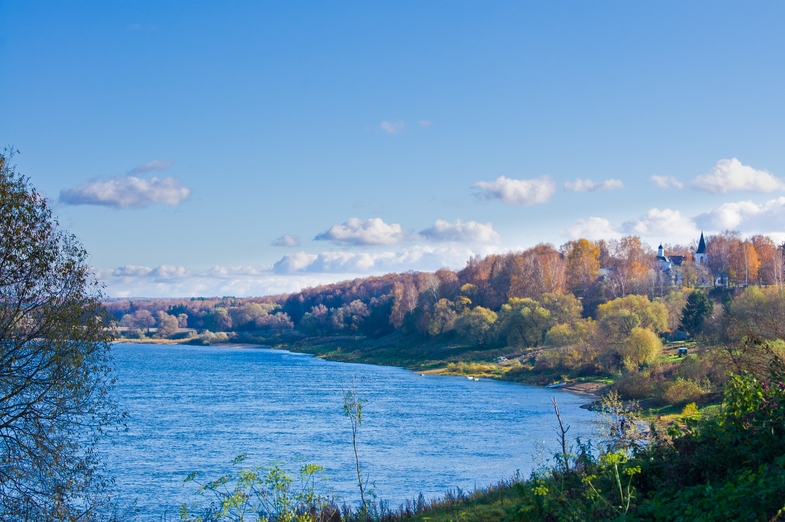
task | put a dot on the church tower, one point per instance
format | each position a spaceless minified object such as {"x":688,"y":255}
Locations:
{"x":700,"y":255}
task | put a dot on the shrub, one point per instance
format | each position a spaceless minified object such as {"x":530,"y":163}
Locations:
{"x":208,"y":338}
{"x":548,"y":360}
{"x":469,"y":368}
{"x":690,"y":410}
{"x":634,"y":385}
{"x":681,"y":391}
{"x":271,"y":493}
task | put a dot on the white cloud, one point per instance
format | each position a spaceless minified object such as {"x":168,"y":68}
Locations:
{"x":729,"y":175}
{"x":357,"y":232}
{"x":168,"y":281}
{"x":753,"y":218}
{"x":656,"y":224}
{"x":294,"y":262}
{"x":392,"y":127}
{"x":517,"y":191}
{"x":420,"y":257}
{"x":593,"y":228}
{"x":291,"y":273}
{"x":286,"y":241}
{"x":666,"y":182}
{"x":127,"y":192}
{"x":662,"y":225}
{"x":151,"y":166}
{"x":331,"y":262}
{"x":587,"y":185}
{"x":425,"y":123}
{"x":131,"y":271}
{"x":469,"y":232}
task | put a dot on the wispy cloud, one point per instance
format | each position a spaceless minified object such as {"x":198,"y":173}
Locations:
{"x":291,"y":273}
{"x":730,"y":175}
{"x":141,"y":27}
{"x":517,"y":191}
{"x":587,"y":185}
{"x":419,"y":257}
{"x":127,"y":192}
{"x":392,"y":127}
{"x":460,"y":232}
{"x":151,"y":166}
{"x":425,"y":123}
{"x":666,"y":182}
{"x":286,"y":241}
{"x":180,"y":281}
{"x":358,"y":232}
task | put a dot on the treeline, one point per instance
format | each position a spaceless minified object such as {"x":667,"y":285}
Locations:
{"x":481,"y":303}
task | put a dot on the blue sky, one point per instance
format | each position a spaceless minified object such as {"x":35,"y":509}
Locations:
{"x":182,"y":141}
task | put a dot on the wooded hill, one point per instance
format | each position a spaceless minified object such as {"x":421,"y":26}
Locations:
{"x":430,"y":304}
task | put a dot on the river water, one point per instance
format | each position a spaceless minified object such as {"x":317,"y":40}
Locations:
{"x":196,"y":408}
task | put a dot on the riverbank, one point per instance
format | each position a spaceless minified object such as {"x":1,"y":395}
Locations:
{"x":431,"y":356}
{"x":425,"y":357}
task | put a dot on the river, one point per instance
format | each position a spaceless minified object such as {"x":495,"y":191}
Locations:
{"x":195,"y":408}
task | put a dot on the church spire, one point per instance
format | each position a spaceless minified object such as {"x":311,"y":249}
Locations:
{"x":701,"y":245}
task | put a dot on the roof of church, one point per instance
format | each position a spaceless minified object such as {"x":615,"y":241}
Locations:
{"x":701,"y":245}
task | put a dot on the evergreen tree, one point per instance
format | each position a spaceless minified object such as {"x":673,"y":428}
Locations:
{"x":696,"y":310}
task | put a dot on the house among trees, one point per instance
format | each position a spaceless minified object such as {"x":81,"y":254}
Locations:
{"x":667,"y":263}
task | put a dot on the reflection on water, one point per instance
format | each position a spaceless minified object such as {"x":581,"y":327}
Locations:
{"x":196,"y":408}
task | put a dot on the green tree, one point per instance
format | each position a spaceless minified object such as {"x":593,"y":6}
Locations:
{"x":757,"y":312}
{"x":642,"y":346}
{"x":55,"y":375}
{"x":443,"y":318}
{"x":674,"y":302}
{"x":525,"y":322}
{"x":653,"y":316}
{"x":564,"y":308}
{"x":477,"y":325}
{"x":218,"y":320}
{"x":696,"y":310}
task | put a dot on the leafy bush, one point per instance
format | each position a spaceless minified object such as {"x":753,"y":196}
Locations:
{"x":681,"y":391}
{"x":634,"y":385}
{"x":470,"y":368}
{"x":208,"y":338}
{"x":261,"y":493}
{"x":702,"y":368}
{"x":690,"y":410}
